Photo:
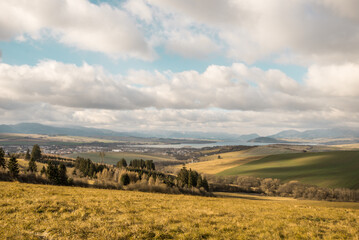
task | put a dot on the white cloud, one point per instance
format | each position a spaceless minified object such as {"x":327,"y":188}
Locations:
{"x":235,"y":87}
{"x":191,"y":45}
{"x":221,"y":97}
{"x":77,"y":23}
{"x":299,"y":32}
{"x":335,"y":80}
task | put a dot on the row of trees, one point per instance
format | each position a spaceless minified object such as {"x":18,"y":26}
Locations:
{"x":274,"y":187}
{"x":139,"y":164}
{"x":190,"y":178}
{"x":56,"y":174}
{"x":87,"y":168}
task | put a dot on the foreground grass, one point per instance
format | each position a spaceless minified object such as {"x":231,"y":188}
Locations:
{"x":52,"y":212}
{"x":327,"y":169}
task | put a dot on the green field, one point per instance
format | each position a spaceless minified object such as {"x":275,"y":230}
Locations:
{"x":114,"y":157}
{"x":29,"y":211}
{"x":337,"y":169}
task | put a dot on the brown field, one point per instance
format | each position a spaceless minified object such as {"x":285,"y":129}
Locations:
{"x":29,"y":211}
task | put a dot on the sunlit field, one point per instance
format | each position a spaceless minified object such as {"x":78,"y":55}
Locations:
{"x":29,"y":211}
{"x":327,"y":169}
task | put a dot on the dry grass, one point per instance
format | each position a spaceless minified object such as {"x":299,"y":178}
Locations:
{"x":52,"y":212}
{"x":219,"y":165}
{"x":212,"y":165}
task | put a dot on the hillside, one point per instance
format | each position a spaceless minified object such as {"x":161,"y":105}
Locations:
{"x":326,"y":169}
{"x":29,"y":211}
{"x":211,"y":164}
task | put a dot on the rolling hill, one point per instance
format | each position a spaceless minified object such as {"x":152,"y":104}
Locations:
{"x":211,"y":164}
{"x":338,"y":169}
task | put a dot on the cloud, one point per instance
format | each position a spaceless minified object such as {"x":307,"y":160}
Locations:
{"x":78,"y":23}
{"x":235,"y":87}
{"x":191,"y":45}
{"x":334,"y":80}
{"x":68,"y":85}
{"x":296,"y":32}
{"x":222,"y":98}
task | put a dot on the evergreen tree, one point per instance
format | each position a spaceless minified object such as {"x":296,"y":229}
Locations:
{"x":125,"y":179}
{"x":199,"y":182}
{"x":62,"y":176}
{"x":122,"y":163}
{"x":182,"y":177}
{"x":13,"y":167}
{"x":52,"y":173}
{"x":27,"y":155}
{"x":2,"y":158}
{"x":190,"y":179}
{"x":43,"y":170}
{"x":32,"y":166}
{"x":205,"y":184}
{"x":36,"y":153}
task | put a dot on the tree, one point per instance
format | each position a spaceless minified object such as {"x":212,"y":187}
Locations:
{"x":32,"y":166}
{"x":43,"y":170}
{"x":2,"y":158}
{"x":199,"y":182}
{"x":205,"y":184}
{"x":62,"y":176}
{"x":125,"y":179}
{"x":122,"y":163}
{"x":52,"y":172}
{"x":27,"y":155}
{"x":182,"y":177}
{"x":13,"y":167}
{"x":36,"y":153}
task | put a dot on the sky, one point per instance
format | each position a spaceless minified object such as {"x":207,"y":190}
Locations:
{"x":232,"y":66}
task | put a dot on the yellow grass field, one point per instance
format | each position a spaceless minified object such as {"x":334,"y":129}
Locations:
{"x":29,"y":211}
{"x":211,"y":164}
{"x":215,"y":166}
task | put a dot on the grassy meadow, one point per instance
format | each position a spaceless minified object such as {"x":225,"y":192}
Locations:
{"x":29,"y":211}
{"x":114,"y":157}
{"x":211,"y":164}
{"x":338,"y":169}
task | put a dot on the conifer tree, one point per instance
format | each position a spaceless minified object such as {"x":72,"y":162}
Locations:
{"x":32,"y":166}
{"x":62,"y":175}
{"x":43,"y":170}
{"x":2,"y":158}
{"x":27,"y":155}
{"x":205,"y":184}
{"x":122,"y":163}
{"x":125,"y":179}
{"x":199,"y":182}
{"x":36,"y":153}
{"x":13,"y":167}
{"x":52,"y":173}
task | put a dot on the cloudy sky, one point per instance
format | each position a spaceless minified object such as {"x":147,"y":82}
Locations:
{"x":233,"y":66}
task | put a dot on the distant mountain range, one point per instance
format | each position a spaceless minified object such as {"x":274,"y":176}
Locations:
{"x":318,"y":133}
{"x":36,"y":128}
